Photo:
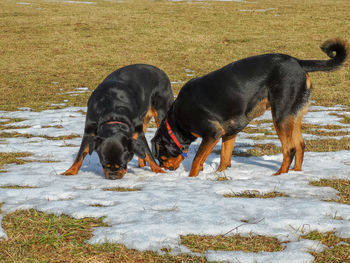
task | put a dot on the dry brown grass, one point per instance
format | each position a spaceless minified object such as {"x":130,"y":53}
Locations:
{"x":8,"y":158}
{"x":38,"y":237}
{"x":231,"y":243}
{"x":324,"y":130}
{"x":327,"y":145}
{"x":27,"y":135}
{"x":16,"y":158}
{"x":50,"y":48}
{"x":122,"y":189}
{"x":342,"y":186}
{"x":16,"y":187}
{"x":260,"y":149}
{"x":255,"y":194}
{"x":336,"y":253}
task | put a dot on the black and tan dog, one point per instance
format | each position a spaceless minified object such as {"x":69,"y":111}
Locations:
{"x":118,"y":113}
{"x":221,"y":103}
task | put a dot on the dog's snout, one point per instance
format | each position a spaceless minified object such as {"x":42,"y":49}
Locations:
{"x":114,"y":176}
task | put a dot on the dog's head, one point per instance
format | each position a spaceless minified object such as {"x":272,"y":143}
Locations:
{"x":165,"y":149}
{"x":115,"y":152}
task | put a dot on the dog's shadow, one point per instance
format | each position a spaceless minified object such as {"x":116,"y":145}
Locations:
{"x":92,"y":164}
{"x":259,"y":161}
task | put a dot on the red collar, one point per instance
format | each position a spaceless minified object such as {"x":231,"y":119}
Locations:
{"x":114,"y":122}
{"x":184,"y":154}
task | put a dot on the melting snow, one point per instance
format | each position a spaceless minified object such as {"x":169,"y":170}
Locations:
{"x":172,"y":204}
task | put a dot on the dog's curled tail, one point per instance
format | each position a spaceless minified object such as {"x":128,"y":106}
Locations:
{"x":336,"y":48}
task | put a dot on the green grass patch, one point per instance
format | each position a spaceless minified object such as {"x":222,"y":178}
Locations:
{"x":337,"y":253}
{"x":252,"y":243}
{"x":342,"y":186}
{"x":38,"y":237}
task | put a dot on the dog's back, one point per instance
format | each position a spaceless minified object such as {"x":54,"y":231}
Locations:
{"x":132,"y":90}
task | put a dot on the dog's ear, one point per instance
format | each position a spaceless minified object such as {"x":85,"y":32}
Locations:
{"x":137,"y":148}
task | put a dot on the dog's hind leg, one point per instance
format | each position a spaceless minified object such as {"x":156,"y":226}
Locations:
{"x":298,"y":140}
{"x":285,"y":132}
{"x":83,"y":151}
{"x":226,"y":152}
{"x":150,"y":113}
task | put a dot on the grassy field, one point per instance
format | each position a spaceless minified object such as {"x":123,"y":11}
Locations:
{"x":49,"y":48}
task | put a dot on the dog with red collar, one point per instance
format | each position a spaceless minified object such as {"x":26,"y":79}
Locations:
{"x":118,"y":112}
{"x":221,"y":103}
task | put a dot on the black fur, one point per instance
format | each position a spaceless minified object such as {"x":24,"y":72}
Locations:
{"x":116,"y":112}
{"x":225,"y":98}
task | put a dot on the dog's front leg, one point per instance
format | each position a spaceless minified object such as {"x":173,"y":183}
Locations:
{"x":202,"y":154}
{"x":149,"y":157}
{"x":83,"y":151}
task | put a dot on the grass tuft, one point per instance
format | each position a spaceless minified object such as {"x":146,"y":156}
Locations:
{"x":26,"y":135}
{"x":255,"y":194}
{"x":122,"y":189}
{"x":252,"y":243}
{"x":342,"y":186}
{"x":17,"y":187}
{"x":15,"y":158}
{"x":338,"y":248}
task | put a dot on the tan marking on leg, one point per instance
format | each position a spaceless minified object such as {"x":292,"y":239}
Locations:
{"x":147,"y":118}
{"x":308,"y":81}
{"x":155,"y":115}
{"x":106,"y":173}
{"x":142,"y":163}
{"x":226,"y":152}
{"x":219,"y":128}
{"x":298,"y":139}
{"x":154,"y":167}
{"x":195,"y":135}
{"x":202,"y":154}
{"x":150,"y":113}
{"x":76,"y":164}
{"x":259,"y":109}
{"x":135,"y":136}
{"x":285,"y":134}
